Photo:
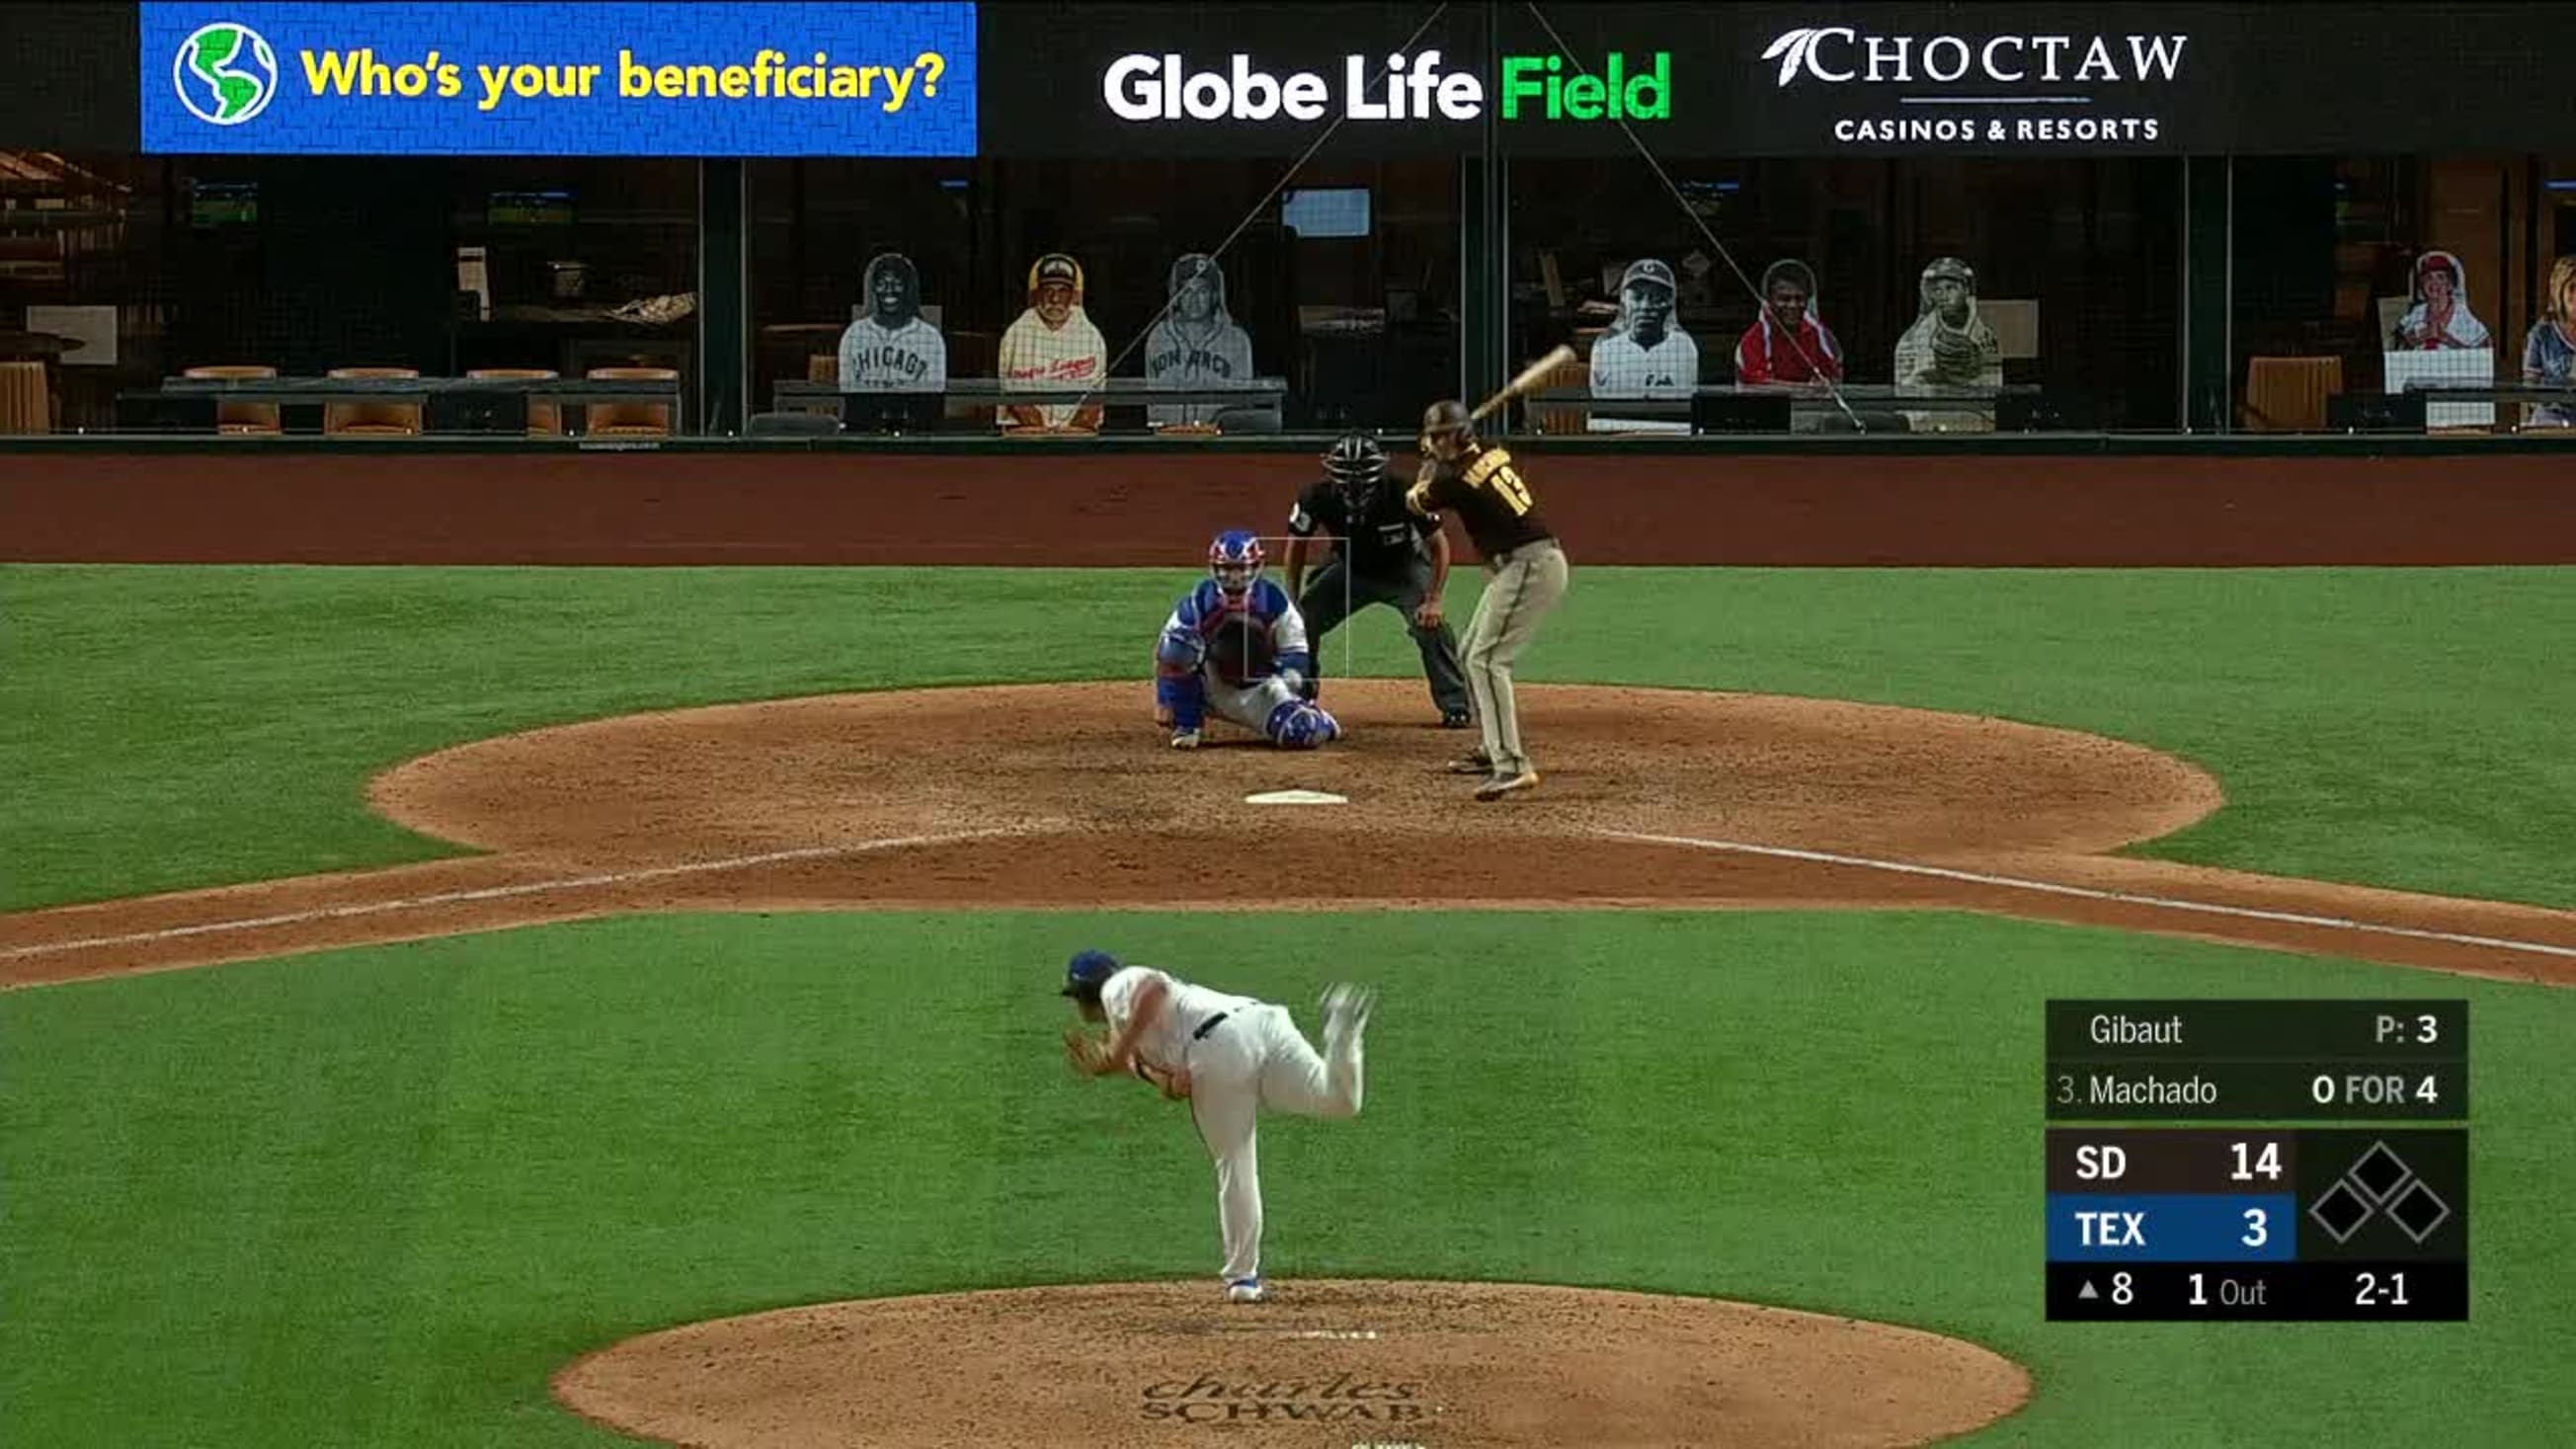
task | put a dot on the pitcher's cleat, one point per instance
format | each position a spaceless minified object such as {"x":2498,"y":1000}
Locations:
{"x":1244,"y":1290}
{"x":1476,"y":762}
{"x":1502,"y":785}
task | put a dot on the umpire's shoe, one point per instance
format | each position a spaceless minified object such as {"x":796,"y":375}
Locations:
{"x":1456,"y":719}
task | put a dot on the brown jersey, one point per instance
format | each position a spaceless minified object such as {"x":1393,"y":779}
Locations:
{"x":1490,"y":497}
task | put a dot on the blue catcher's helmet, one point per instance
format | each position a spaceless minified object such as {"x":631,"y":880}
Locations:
{"x":1235,"y":559}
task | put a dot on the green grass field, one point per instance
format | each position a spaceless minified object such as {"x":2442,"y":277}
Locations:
{"x":377,"y":1196}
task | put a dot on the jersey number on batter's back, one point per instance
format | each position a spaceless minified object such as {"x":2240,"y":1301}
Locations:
{"x":1494,"y":470}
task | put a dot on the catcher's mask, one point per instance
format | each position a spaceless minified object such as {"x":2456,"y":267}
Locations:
{"x":1448,"y":429}
{"x":1355,"y":463}
{"x":1235,"y":559}
{"x":1086,"y":973}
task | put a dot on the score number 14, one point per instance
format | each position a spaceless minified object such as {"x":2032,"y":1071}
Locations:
{"x":2248,"y":1163}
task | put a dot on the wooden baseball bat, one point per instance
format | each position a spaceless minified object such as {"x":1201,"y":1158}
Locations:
{"x":1528,"y":378}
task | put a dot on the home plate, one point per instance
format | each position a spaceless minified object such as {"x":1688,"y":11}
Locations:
{"x":1296,"y":797}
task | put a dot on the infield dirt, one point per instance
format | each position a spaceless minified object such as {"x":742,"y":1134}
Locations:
{"x":1064,"y":796}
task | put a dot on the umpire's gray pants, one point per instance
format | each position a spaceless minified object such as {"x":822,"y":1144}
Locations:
{"x":1526,"y":585}
{"x":1335,"y":593}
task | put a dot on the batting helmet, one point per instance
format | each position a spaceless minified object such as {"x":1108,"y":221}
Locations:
{"x":1447,"y":422}
{"x":1235,"y":559}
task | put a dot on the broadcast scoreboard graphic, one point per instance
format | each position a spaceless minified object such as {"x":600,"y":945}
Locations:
{"x":2263,"y":1219}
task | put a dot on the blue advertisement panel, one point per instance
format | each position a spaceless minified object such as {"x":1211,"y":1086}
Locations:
{"x":521,"y":79}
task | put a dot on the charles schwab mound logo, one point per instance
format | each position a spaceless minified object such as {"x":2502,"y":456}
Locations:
{"x":225,"y":73}
{"x":1338,"y":1400}
{"x":1989,"y":88}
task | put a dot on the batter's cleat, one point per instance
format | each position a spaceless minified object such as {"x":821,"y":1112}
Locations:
{"x":1346,"y":1007}
{"x":1475,"y":762}
{"x":1185,"y":739}
{"x":1244,"y":1290}
{"x":1502,"y":785}
{"x":1457,"y":719}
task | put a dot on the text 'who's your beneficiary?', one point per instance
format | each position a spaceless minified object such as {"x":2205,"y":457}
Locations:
{"x":612,"y":78}
{"x":771,"y":75}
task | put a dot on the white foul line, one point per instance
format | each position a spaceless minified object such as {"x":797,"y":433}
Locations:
{"x":503,"y":892}
{"x":2126,"y":898}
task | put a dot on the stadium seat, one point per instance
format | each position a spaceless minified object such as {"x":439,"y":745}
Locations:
{"x":239,"y":419}
{"x":373,"y":419}
{"x":545,"y":418}
{"x":629,"y":419}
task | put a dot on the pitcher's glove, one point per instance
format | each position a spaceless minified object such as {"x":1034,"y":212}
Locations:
{"x":1088,"y":1054}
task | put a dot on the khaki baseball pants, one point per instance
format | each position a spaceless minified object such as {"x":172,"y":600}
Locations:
{"x":1527,"y":585}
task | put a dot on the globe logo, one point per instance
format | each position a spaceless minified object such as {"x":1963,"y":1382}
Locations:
{"x":225,"y":73}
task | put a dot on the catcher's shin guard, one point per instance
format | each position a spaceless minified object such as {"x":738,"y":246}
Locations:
{"x":1297,"y":725}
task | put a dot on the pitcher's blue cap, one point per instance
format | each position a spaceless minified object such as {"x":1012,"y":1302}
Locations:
{"x":1088,"y":971}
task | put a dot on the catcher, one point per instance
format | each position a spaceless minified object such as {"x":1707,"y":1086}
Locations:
{"x":1236,"y":646}
{"x":1528,"y":576}
{"x":1228,"y":1057}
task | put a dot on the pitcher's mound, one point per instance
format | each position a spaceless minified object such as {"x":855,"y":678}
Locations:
{"x":1441,"y":1365}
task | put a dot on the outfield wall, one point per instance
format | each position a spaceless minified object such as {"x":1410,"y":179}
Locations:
{"x":262,"y":503}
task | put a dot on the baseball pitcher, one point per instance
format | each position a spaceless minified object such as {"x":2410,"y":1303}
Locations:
{"x":1489,"y":495}
{"x":1228,"y":1057}
{"x":1236,"y":647}
{"x":1384,"y":553}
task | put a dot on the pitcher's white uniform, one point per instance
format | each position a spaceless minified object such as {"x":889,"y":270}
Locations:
{"x":1242,"y":1055}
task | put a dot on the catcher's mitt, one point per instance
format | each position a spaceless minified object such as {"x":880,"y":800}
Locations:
{"x":1241,"y":652}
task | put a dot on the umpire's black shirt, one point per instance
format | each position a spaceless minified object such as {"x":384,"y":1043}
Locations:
{"x":1382,"y":543}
